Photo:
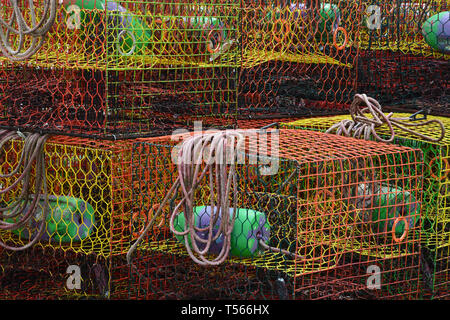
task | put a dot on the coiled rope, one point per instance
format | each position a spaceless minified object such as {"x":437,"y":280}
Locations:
{"x":220,"y":147}
{"x":19,"y":27}
{"x":22,"y":209}
{"x":361,"y":126}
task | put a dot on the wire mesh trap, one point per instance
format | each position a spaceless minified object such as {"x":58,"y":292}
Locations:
{"x":339,"y":207}
{"x":88,"y":193}
{"x":89,"y":212}
{"x":122,"y":69}
{"x":404,"y":82}
{"x":399,"y":27}
{"x":435,"y":210}
{"x":298,"y":57}
{"x":144,"y":68}
{"x":44,"y":274}
{"x":403,"y":62}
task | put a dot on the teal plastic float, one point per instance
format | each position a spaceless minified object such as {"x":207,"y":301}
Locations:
{"x":250,"y":227}
{"x":436,"y":32}
{"x":69,"y":219}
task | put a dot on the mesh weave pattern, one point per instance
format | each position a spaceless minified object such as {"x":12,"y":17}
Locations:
{"x":436,"y":201}
{"x":315,"y":205}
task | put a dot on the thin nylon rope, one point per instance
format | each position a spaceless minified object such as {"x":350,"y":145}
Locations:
{"x":363,"y":127}
{"x":189,"y":176}
{"x":37,"y":31}
{"x":33,"y":151}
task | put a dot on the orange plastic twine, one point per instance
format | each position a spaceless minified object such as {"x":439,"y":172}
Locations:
{"x":285,"y":25}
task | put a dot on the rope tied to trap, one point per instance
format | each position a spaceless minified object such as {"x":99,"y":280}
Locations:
{"x":18,"y":26}
{"x":221,"y":149}
{"x":361,"y":126}
{"x":21,"y":210}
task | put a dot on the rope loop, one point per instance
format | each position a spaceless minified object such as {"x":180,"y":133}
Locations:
{"x":211,"y":156}
{"x":18,"y":26}
{"x":363,"y":127}
{"x":21,"y":211}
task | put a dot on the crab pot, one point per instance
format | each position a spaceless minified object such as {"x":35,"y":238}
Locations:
{"x":311,"y":205}
{"x":297,"y":60}
{"x":89,"y":210}
{"x":405,"y":82}
{"x":401,"y":63}
{"x":115,"y":104}
{"x":435,"y":212}
{"x":405,"y":26}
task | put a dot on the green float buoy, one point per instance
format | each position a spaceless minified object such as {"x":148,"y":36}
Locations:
{"x":330,"y":17}
{"x":250,"y":226}
{"x":69,"y":219}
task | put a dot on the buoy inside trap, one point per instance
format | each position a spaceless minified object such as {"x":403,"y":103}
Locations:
{"x":330,"y":15}
{"x":250,"y":226}
{"x":69,"y":219}
{"x":436,"y":32}
{"x":394,"y":211}
{"x":125,"y":28}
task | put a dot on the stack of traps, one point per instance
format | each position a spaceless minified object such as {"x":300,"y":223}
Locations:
{"x":436,"y":195}
{"x":349,"y":208}
{"x":126,"y":69}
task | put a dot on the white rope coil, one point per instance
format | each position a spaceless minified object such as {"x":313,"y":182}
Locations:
{"x":363,"y":127}
{"x":17,"y":27}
